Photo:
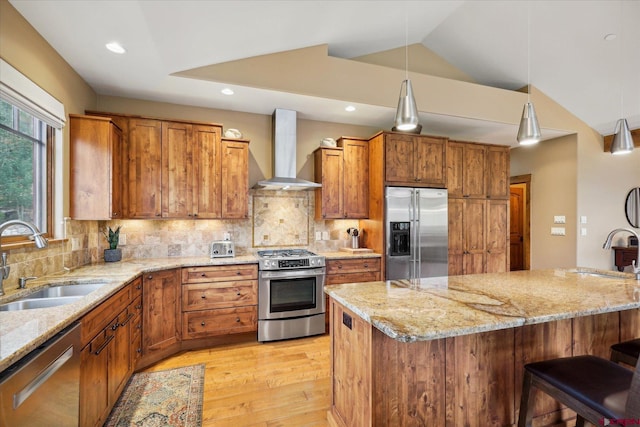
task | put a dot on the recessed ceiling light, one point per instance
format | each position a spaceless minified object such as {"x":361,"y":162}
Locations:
{"x":610,"y":37}
{"x":350,"y":108}
{"x":227,"y":91}
{"x":115,"y":47}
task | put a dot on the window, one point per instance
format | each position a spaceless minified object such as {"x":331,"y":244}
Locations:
{"x":25,"y":163}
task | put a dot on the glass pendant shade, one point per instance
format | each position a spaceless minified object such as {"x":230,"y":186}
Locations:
{"x":529,"y":131}
{"x":622,"y":139}
{"x":407,"y":113}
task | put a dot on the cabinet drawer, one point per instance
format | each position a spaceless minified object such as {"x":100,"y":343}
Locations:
{"x":337,"y":279}
{"x":204,"y":296}
{"x":223,"y":273}
{"x":99,"y":317}
{"x":356,"y":265}
{"x":136,"y":288}
{"x":224,"y":321}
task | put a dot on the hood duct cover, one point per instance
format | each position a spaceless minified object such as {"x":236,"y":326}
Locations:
{"x":284,"y":155}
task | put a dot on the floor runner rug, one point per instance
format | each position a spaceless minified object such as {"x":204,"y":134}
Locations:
{"x":171,"y":398}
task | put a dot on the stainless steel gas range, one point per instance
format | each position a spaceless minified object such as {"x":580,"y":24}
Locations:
{"x":291,"y":301}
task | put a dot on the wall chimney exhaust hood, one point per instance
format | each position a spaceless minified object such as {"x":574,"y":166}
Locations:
{"x":284,"y":155}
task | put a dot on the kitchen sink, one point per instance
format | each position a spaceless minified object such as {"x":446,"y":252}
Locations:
{"x":597,"y":274}
{"x":27,"y":304}
{"x":57,"y":291}
{"x":52,"y":296}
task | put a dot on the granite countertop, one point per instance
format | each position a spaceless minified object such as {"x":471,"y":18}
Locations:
{"x":432,"y":308}
{"x":22,"y":331}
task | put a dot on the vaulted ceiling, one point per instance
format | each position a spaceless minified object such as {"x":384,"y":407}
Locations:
{"x":558,"y":46}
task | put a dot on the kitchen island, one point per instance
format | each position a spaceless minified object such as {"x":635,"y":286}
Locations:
{"x":451,"y":350}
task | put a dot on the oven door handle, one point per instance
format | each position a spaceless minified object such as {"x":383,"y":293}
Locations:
{"x":280,"y":274}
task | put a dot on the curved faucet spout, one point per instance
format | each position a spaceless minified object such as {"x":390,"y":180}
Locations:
{"x":39,"y":240}
{"x":607,"y":245}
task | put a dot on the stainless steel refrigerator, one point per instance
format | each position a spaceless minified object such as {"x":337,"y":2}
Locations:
{"x":416,"y":227}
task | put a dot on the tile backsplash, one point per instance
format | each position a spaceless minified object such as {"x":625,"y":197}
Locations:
{"x":286,"y":218}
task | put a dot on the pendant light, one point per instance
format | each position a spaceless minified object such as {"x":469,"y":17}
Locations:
{"x":529,"y":130}
{"x":407,"y":113}
{"x":622,"y":140}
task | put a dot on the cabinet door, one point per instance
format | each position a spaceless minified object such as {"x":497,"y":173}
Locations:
{"x":399,"y":159}
{"x":356,"y":178}
{"x":94,"y":385}
{"x":497,"y":166}
{"x":455,"y":168}
{"x":429,"y":161}
{"x":497,"y":236}
{"x":95,"y":173}
{"x":329,"y":163}
{"x":119,"y":356}
{"x":161,"y":310}
{"x":145,"y":166}
{"x":474,"y":223}
{"x":473,"y":179}
{"x":235,"y":179}
{"x":456,"y":237}
{"x":206,"y":163}
{"x":177,"y":170}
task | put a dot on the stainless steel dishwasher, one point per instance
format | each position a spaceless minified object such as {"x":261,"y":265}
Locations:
{"x":43,"y":389}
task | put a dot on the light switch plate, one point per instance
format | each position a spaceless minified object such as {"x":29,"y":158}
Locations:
{"x":583,"y":231}
{"x":318,"y":235}
{"x":559,"y":219}
{"x":558,"y":231}
{"x":583,"y":219}
{"x":122,"y":239}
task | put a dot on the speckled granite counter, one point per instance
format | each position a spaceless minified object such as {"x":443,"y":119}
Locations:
{"x":434,"y":308}
{"x":22,"y":331}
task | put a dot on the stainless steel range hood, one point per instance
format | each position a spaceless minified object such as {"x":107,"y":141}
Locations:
{"x":284,"y":155}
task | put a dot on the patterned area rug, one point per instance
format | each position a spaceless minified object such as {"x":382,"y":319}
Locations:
{"x":163,"y":398}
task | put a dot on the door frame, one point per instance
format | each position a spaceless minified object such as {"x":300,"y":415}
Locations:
{"x":526,"y":243}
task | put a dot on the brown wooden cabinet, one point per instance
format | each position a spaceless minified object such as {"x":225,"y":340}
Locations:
{"x":219,"y":300}
{"x":343,"y":172}
{"x":415,"y":160}
{"x":624,"y":256}
{"x":95,"y":184}
{"x":178,"y":169}
{"x":466,"y":172}
{"x":350,"y":270}
{"x":106,"y":357}
{"x":234,"y":179}
{"x":497,"y":243}
{"x":467,"y":236}
{"x":160,"y":313}
{"x":497,"y":172}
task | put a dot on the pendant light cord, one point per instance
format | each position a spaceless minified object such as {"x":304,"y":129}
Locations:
{"x":406,"y":45}
{"x":620,"y":62}
{"x":529,"y":51}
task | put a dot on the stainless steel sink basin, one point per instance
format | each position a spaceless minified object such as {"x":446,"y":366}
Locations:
{"x":27,"y":304}
{"x":52,"y":296}
{"x":81,"y":289}
{"x":597,"y":274}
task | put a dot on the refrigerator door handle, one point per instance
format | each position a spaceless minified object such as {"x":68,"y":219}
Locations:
{"x":417,"y":256}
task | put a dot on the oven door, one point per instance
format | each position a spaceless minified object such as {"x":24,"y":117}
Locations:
{"x":290,"y":293}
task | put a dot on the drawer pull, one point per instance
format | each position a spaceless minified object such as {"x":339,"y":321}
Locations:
{"x":149,"y":277}
{"x":366,"y":266}
{"x":238,"y":273}
{"x":203,"y":296}
{"x":339,"y":266}
{"x":202,"y":323}
{"x":104,"y":345}
{"x":138,"y":326}
{"x":129,"y":317}
{"x":139,"y":307}
{"x":115,"y":325}
{"x":139,"y":350}
{"x":203,"y":275}
{"x":237,"y":320}
{"x":238,"y":293}
{"x":139,"y":286}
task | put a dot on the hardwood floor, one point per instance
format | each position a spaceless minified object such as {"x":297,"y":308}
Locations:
{"x":283,"y":383}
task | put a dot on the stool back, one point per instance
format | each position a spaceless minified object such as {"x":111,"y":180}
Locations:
{"x":632,"y":407}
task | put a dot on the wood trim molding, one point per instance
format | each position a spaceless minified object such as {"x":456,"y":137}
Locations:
{"x":635,"y":134}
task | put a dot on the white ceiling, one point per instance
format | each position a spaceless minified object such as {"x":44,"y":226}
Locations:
{"x":569,"y":59}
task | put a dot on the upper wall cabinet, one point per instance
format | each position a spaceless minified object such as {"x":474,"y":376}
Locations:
{"x":415,"y":160}
{"x":183,"y":170}
{"x":95,"y":173}
{"x":344,"y":174}
{"x":477,"y":171}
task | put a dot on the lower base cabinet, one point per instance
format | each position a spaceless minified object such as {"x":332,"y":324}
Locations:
{"x":107,"y":356}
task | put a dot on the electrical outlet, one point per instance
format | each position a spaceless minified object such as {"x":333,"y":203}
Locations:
{"x":583,"y":219}
{"x":318,"y":235}
{"x":558,"y":231}
{"x":123,"y":239}
{"x":583,"y":231}
{"x":325,"y":235}
{"x":559,"y":219}
{"x":227,"y":236}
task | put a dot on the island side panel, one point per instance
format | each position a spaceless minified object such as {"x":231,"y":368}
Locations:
{"x":595,"y":334}
{"x":408,"y":382}
{"x":480,"y":379}
{"x":350,"y":368}
{"x":534,"y":343}
{"x":629,"y":324}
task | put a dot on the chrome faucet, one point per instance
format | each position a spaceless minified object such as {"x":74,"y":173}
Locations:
{"x":635,"y":263}
{"x":39,"y":240}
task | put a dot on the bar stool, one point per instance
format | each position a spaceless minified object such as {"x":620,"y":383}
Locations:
{"x":593,"y":387}
{"x":626,"y":352}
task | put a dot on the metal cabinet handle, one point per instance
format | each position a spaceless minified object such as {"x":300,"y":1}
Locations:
{"x":203,"y":296}
{"x":238,"y":273}
{"x":139,"y":307}
{"x":104,"y":345}
{"x":115,"y":325}
{"x":149,"y":277}
{"x":129,"y":317}
{"x":202,"y":323}
{"x":203,"y":275}
{"x":238,"y":293}
{"x":237,"y":320}
{"x":366,"y":266}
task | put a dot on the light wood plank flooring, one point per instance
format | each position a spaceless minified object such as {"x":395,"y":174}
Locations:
{"x":283,"y":383}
